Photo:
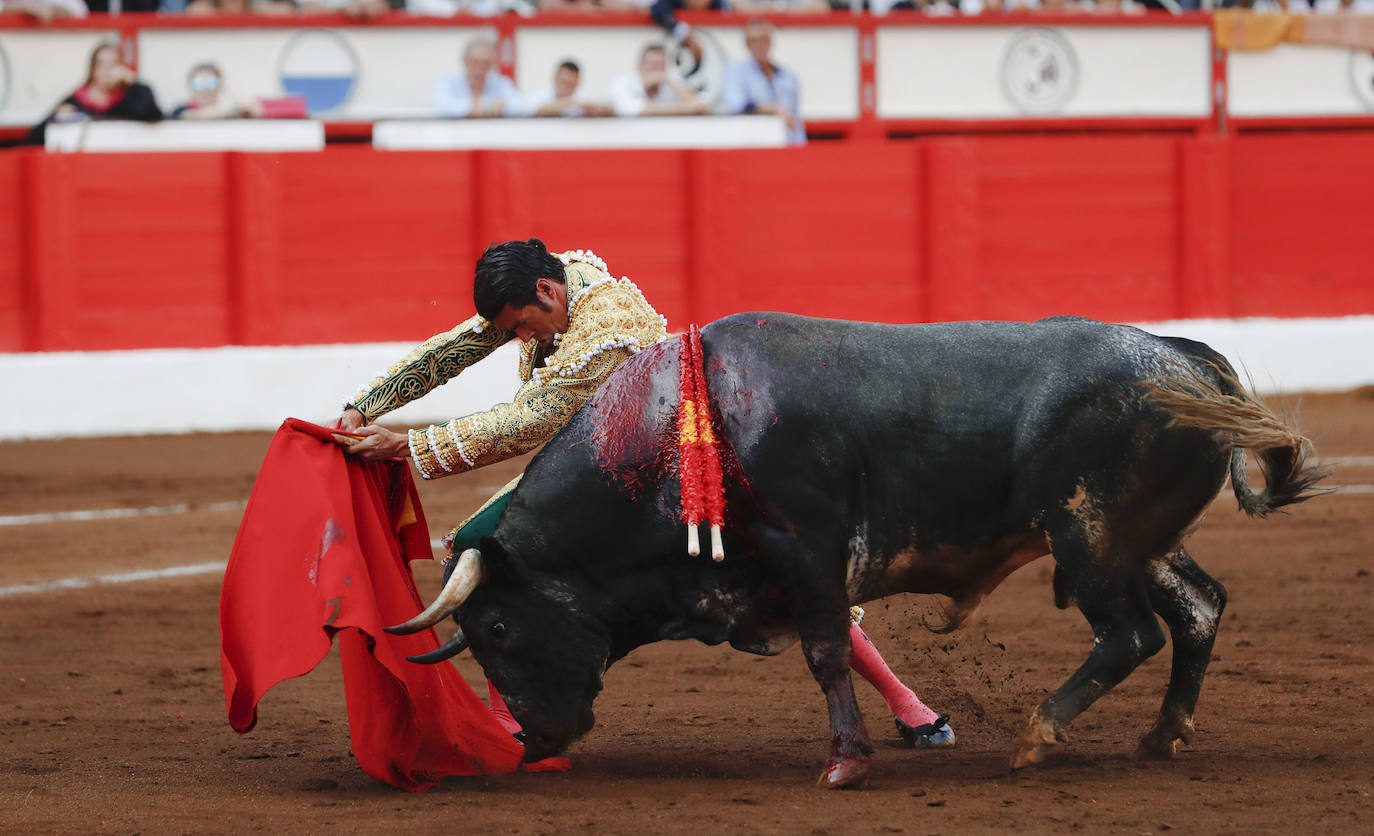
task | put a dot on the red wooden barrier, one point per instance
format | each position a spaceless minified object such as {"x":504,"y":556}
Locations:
{"x":351,"y":245}
{"x":1301,"y":242}
{"x":14,"y":303}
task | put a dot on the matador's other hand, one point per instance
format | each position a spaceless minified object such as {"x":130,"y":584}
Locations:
{"x":350,"y":420}
{"x":379,"y":444}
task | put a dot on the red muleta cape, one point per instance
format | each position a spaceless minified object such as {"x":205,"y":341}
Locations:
{"x":324,"y":550}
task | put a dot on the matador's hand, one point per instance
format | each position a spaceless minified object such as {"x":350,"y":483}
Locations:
{"x":378,"y":444}
{"x":350,"y":420}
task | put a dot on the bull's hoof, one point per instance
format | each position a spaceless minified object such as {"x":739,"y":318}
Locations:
{"x":1151,"y":749}
{"x":1036,"y":754}
{"x":846,"y":772}
{"x":936,"y":735}
{"x":1161,"y":743}
{"x":1040,"y":742}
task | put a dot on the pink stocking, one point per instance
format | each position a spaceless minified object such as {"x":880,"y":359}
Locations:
{"x":901,"y":700}
{"x":499,"y":710}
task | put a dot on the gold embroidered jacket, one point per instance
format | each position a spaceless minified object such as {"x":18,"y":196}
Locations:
{"x":608,"y":321}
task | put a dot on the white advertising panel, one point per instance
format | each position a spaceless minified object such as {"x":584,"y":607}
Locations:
{"x":348,"y":73}
{"x":1293,"y":80}
{"x":1008,"y":72}
{"x":39,"y":69}
{"x":356,"y":73}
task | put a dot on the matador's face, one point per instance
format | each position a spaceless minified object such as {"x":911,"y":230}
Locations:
{"x":541,"y":321}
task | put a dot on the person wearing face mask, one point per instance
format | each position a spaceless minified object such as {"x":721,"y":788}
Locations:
{"x":209,"y":99}
{"x":111,"y":91}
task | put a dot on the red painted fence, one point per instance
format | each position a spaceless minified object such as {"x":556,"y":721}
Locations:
{"x":353,"y":245}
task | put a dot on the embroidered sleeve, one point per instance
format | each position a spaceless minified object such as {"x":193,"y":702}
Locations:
{"x":506,"y":430}
{"x":608,"y":322}
{"x":433,"y":363}
{"x":603,"y":316}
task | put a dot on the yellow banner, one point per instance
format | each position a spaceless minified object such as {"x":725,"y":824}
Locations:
{"x":1242,"y":29}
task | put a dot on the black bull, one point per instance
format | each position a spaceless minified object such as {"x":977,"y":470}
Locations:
{"x":865,"y":460}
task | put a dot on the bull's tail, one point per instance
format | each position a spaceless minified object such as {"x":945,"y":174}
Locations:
{"x":1213,"y":399}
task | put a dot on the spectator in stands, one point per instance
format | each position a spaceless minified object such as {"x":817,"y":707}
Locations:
{"x":1065,"y":7}
{"x":479,"y":8}
{"x":231,"y":7}
{"x":357,"y":9}
{"x":44,"y":11}
{"x":759,"y":85}
{"x":560,"y":98}
{"x":592,"y":6}
{"x":1359,"y":7}
{"x":111,"y":91}
{"x":759,"y":7}
{"x":477,"y":90}
{"x":665,"y":14}
{"x":950,"y":8}
{"x":209,"y":98}
{"x":654,"y":91}
{"x":103,"y":6}
{"x":877,"y":7}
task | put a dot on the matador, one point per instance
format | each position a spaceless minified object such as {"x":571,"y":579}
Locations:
{"x":576,"y":324}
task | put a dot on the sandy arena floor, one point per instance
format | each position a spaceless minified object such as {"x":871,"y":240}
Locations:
{"x":112,"y":713}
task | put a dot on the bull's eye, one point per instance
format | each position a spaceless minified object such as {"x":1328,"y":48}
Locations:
{"x":496,"y":630}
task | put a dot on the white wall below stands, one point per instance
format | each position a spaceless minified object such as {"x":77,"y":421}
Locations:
{"x":215,"y":389}
{"x":210,"y":135}
{"x":534,"y":134}
{"x":237,"y":388}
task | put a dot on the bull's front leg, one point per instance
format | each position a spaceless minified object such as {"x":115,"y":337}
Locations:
{"x":821,"y":610}
{"x":827,"y":652}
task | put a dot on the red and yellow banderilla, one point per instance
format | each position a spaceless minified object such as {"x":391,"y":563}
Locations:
{"x":703,"y":491}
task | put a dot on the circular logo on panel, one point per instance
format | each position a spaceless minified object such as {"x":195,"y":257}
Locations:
{"x":702,"y":67}
{"x":1362,"y":76}
{"x":5,"y":78}
{"x":319,"y":65}
{"x":1039,"y":71}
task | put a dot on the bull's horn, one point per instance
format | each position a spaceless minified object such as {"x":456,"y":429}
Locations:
{"x":466,"y":575}
{"x":448,"y":650}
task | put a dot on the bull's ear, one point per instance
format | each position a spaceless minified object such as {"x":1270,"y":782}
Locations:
{"x":499,"y":564}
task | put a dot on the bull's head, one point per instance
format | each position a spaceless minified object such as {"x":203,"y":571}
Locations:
{"x":540,"y":649}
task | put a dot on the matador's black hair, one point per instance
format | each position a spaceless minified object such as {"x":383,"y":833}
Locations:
{"x":506,"y":275}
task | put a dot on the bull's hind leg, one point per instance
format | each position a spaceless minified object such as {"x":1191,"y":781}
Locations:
{"x":1190,"y":601}
{"x":822,"y":618}
{"x":1125,"y":633}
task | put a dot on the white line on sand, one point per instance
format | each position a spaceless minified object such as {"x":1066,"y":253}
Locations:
{"x":202,"y":568}
{"x":121,"y":577}
{"x":117,"y":513}
{"x":1347,"y":461}
{"x":238,"y":505}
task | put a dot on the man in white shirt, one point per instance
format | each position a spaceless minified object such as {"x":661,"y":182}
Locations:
{"x":758,"y":85}
{"x":560,"y":98}
{"x":45,"y":11}
{"x":654,"y":91}
{"x":477,"y":91}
